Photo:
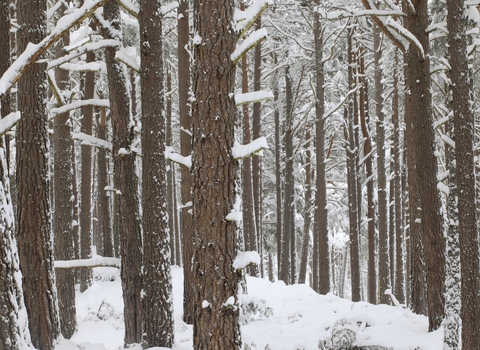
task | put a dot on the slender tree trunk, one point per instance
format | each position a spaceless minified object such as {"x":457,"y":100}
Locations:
{"x":103,"y":197}
{"x":86,"y":183}
{"x":425,"y":211}
{"x":33,"y":205}
{"x":169,"y":168}
{"x":465,"y":174}
{"x":186,"y":150}
{"x":63,"y":208}
{"x":214,"y":170}
{"x":383,"y":245}
{"x":157,"y":287}
{"x":125,"y":180}
{"x":278,"y":171}
{"x":321,"y":255}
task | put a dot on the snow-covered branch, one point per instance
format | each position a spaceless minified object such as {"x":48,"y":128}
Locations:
{"x":8,"y":122}
{"x":90,"y":140}
{"x":133,"y":9}
{"x":178,"y":158}
{"x":243,"y":259}
{"x":78,"y":104}
{"x":123,"y":56}
{"x":254,"y":39}
{"x":255,"y":96}
{"x":33,"y":51}
{"x":245,"y":19}
{"x":93,"y":262}
{"x":242,"y":151}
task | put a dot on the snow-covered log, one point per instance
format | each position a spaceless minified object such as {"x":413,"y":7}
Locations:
{"x":93,"y":262}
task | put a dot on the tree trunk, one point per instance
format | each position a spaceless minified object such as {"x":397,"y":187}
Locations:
{"x":278,"y":170}
{"x":425,"y":211}
{"x":33,"y":205}
{"x":321,"y":261}
{"x":63,"y":207}
{"x":465,"y":174}
{"x":214,"y":171}
{"x":383,"y":261}
{"x":186,"y":150}
{"x":125,"y":180}
{"x":169,"y":168}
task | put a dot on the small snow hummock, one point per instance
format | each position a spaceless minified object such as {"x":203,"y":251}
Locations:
{"x":205,"y":304}
{"x":243,"y":259}
{"x":255,"y":96}
{"x":230,"y":303}
{"x":394,"y":300}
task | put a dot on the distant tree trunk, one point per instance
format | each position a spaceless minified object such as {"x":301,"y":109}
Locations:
{"x":14,"y":333}
{"x":63,"y":207}
{"x":214,"y":170}
{"x":321,"y":260}
{"x":307,"y":216}
{"x":367,"y":151}
{"x":34,"y":232}
{"x":103,"y":197}
{"x":465,"y":174}
{"x":398,"y":191}
{"x":278,"y":171}
{"x":169,"y":169}
{"x":186,"y":225}
{"x":287,"y":273}
{"x":125,"y":182}
{"x":86,"y":183}
{"x":351,"y":154}
{"x":425,"y":211}
{"x":256,"y":160}
{"x":383,"y":246}
{"x":157,"y":287}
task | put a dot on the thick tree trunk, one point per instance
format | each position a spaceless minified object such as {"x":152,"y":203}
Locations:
{"x":186,"y":225}
{"x":63,"y":207}
{"x":125,"y":180}
{"x":33,"y":205}
{"x":214,"y":170}
{"x":425,"y":211}
{"x":383,"y":246}
{"x":465,"y":174}
{"x":321,"y":255}
{"x":157,"y":287}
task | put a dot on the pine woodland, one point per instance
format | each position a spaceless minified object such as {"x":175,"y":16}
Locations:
{"x":327,"y":143}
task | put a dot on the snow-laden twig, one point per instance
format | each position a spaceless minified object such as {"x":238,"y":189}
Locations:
{"x":178,"y":158}
{"x":242,"y":151}
{"x":129,"y":7}
{"x":340,"y":104}
{"x":123,"y":56}
{"x":9,"y":121}
{"x":33,"y":51}
{"x":246,"y":19}
{"x":93,"y":262}
{"x":78,"y":104}
{"x":255,"y":96}
{"x":90,"y":140}
{"x":254,"y":39}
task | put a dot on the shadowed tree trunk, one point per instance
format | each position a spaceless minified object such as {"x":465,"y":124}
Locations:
{"x":278,"y":170}
{"x":125,"y":180}
{"x":214,"y":170}
{"x":465,"y":174}
{"x":33,"y":206}
{"x":63,"y":204}
{"x":157,"y":287}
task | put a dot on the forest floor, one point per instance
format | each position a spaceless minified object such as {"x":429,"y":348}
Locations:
{"x":275,"y":317}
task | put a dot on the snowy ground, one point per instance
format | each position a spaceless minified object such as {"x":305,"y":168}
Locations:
{"x":285,"y":318}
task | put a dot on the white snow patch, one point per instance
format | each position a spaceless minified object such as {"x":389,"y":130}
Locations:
{"x":243,"y":259}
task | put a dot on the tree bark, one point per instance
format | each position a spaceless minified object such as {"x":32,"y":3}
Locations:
{"x":125,"y":180}
{"x":63,"y":204}
{"x":33,"y":209}
{"x":425,"y":211}
{"x":214,"y":170}
{"x":463,"y":121}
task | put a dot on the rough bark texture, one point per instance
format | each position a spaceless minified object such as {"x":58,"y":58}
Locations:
{"x":125,"y":180}
{"x":86,"y":183}
{"x":383,"y":245}
{"x":63,"y":205}
{"x":214,"y":170}
{"x":278,"y":170}
{"x":465,"y":174}
{"x":103,"y":197}
{"x":321,"y":256}
{"x":170,"y":169}
{"x":423,"y":170}
{"x":33,"y":209}
{"x":351,"y":153}
{"x":157,"y":288}
{"x":186,"y":223}
{"x":302,"y":275}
